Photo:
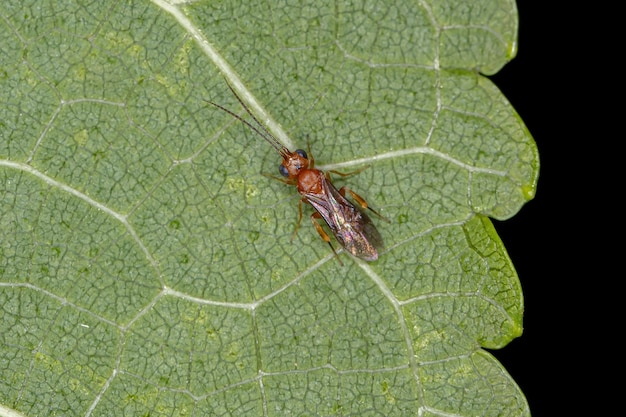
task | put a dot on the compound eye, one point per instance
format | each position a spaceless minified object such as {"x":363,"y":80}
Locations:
{"x":302,"y":153}
{"x":283,"y":171}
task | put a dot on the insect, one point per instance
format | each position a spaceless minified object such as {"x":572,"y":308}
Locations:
{"x":351,"y":227}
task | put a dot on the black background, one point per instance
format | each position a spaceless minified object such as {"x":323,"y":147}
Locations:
{"x":545,"y":239}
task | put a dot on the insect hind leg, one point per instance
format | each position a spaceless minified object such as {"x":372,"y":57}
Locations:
{"x":314,"y":217}
{"x":361,"y":202}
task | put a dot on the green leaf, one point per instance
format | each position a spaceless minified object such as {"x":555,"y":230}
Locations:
{"x":147,"y":266}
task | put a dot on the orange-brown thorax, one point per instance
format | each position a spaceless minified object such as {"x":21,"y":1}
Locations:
{"x":310,"y":181}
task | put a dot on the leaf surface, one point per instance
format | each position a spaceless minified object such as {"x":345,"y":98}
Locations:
{"x":148,"y":268}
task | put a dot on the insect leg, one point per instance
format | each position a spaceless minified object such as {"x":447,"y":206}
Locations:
{"x":361,"y":202}
{"x":287,"y":181}
{"x":346,"y":174}
{"x":295,"y":232}
{"x":323,"y":234}
{"x":310,"y":155}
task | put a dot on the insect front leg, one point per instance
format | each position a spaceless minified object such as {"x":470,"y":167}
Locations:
{"x":295,"y":231}
{"x":314,"y":217}
{"x":288,"y":181}
{"x":308,"y":147}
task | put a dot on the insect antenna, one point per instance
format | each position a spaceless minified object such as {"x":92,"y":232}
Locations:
{"x":260,"y":129}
